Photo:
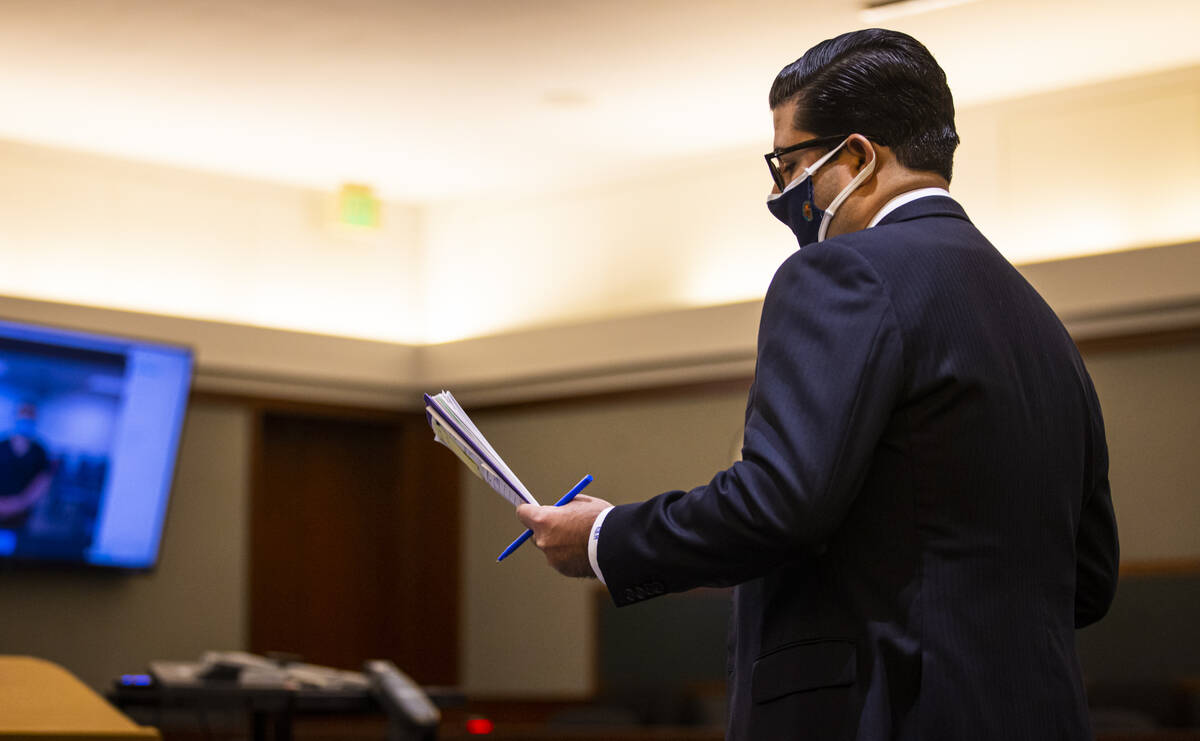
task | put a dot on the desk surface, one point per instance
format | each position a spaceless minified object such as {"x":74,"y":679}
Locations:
{"x":40,"y":699}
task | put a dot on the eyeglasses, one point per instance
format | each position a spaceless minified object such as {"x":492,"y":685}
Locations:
{"x":775,"y":165}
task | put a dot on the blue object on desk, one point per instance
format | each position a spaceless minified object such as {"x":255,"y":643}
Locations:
{"x":136,"y":680}
{"x":583,"y":482}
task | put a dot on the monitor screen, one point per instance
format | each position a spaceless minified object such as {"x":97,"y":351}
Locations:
{"x":89,"y":431}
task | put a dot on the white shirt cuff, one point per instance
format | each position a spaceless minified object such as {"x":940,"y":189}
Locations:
{"x":594,"y":542}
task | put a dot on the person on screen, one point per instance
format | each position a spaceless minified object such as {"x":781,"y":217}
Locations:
{"x":25,"y":469}
{"x":921,"y":518}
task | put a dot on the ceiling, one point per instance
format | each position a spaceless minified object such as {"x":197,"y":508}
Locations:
{"x":427,"y":100}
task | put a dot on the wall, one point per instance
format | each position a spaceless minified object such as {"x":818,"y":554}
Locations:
{"x":1151,"y":403}
{"x":643,"y":445}
{"x":254,"y":361}
{"x":526,"y":630}
{"x":1112,"y":293}
{"x":1055,"y":175}
{"x":99,"y":625}
{"x":99,"y":231}
{"x":1105,"y":167}
{"x":665,"y":240}
{"x":1046,"y":176}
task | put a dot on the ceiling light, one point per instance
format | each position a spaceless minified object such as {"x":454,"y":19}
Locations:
{"x":883,"y":10}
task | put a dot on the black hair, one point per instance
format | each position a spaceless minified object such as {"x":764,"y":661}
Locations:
{"x":882,"y":84}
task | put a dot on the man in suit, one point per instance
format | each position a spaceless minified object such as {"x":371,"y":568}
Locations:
{"x":921,"y":517}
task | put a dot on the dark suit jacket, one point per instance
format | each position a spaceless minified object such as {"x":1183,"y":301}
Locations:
{"x":921,"y":517}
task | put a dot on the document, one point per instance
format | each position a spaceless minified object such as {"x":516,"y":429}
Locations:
{"x":454,"y":429}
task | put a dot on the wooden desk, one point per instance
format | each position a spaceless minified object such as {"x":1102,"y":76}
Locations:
{"x":41,"y":700}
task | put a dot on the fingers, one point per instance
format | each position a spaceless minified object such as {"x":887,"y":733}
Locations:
{"x":585,"y":500}
{"x":561,"y":533}
{"x":526,"y":514}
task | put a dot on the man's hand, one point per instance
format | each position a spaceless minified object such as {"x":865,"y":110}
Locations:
{"x":562,"y":532}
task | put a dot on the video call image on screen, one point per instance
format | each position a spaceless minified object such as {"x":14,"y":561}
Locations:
{"x":89,"y":430}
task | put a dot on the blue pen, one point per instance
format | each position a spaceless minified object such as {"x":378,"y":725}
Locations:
{"x":583,"y":482}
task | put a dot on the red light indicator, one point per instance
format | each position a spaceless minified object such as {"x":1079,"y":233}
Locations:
{"x":480,"y":726}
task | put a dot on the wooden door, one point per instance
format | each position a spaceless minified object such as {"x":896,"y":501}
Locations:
{"x":354,"y":543}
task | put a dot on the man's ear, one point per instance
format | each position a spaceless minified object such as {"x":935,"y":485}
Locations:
{"x":861,"y":150}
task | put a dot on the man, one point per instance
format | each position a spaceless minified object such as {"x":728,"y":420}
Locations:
{"x":25,"y":469}
{"x":922,"y":517}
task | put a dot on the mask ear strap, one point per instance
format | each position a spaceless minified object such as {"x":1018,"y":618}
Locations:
{"x":841,"y":197}
{"x":828,"y":155}
{"x":808,"y":172}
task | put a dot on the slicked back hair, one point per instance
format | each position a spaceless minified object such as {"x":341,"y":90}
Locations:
{"x":882,"y":84}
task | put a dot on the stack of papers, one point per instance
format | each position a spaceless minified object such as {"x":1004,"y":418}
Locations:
{"x":454,"y":429}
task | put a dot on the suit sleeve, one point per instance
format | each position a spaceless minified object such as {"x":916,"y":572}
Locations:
{"x":828,"y":373}
{"x":1097,"y":551}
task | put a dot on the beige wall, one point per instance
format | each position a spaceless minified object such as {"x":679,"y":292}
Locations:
{"x":528,"y":632}
{"x":1053,"y":175}
{"x":254,"y":361}
{"x":1043,"y":177}
{"x":99,"y":231}
{"x":698,"y":235}
{"x":99,"y":625}
{"x":1151,"y":404}
{"x":525,"y":630}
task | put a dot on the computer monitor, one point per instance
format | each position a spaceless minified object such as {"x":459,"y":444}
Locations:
{"x":89,"y":432}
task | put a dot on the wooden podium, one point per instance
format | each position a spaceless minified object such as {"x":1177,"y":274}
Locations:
{"x":41,"y":701}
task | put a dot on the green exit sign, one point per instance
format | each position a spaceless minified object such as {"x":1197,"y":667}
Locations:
{"x":358,"y":206}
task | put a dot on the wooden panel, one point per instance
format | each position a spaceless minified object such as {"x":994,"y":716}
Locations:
{"x":352,"y":555}
{"x":424,"y":599}
{"x":1161,"y":567}
{"x":1139,"y":341}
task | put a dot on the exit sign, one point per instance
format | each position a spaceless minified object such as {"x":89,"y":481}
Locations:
{"x":358,"y":206}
